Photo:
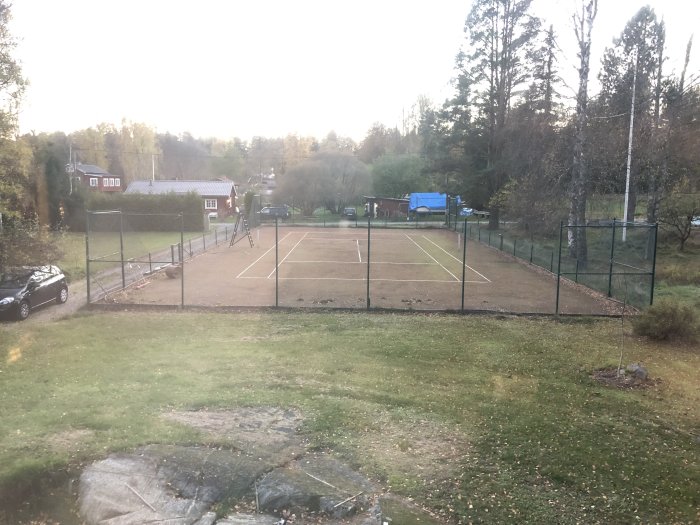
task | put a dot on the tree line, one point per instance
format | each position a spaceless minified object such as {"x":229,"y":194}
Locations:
{"x":505,"y":141}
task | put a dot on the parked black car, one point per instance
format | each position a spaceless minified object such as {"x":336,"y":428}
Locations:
{"x":270,"y":212}
{"x":349,"y":213}
{"x":24,"y":289}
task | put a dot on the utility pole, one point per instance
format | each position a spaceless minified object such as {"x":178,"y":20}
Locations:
{"x":629,"y":150}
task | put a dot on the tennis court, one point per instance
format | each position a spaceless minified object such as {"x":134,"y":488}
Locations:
{"x":418,"y":269}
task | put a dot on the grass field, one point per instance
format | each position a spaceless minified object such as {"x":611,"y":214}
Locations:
{"x":481,"y":419}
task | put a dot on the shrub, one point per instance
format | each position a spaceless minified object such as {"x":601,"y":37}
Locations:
{"x":667,"y":320}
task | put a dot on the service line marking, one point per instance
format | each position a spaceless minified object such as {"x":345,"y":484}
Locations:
{"x":288,"y":254}
{"x":433,"y":258}
{"x":458,"y":260}
{"x":263,"y":255}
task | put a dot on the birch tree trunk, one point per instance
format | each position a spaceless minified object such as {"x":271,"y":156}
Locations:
{"x":576,"y":235}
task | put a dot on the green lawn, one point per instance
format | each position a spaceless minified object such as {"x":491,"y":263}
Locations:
{"x":107,"y":245}
{"x":483,"y":419}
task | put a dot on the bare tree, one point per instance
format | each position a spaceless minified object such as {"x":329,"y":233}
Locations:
{"x":583,"y":24}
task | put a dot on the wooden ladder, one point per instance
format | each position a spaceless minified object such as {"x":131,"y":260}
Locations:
{"x":241,"y":220}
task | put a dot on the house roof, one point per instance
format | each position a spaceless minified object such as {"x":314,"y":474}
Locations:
{"x":205,"y":188}
{"x":91,"y":169}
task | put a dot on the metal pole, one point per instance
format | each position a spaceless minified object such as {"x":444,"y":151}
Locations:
{"x":464,"y":259}
{"x":277,"y":273}
{"x":629,"y":152}
{"x":182,"y":262}
{"x":612,"y":260}
{"x":653,"y":264}
{"x":121,"y":247}
{"x":369,"y":232}
{"x":561,"y":229}
{"x":87,"y":254}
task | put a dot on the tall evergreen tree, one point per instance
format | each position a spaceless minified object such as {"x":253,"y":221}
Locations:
{"x":501,"y":37}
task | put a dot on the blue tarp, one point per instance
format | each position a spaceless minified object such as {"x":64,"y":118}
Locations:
{"x":435,"y":202}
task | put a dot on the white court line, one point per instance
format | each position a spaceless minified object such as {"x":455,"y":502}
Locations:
{"x":360,"y":262}
{"x":359,"y":256}
{"x":433,"y":258}
{"x":363,"y":279}
{"x":263,"y":255}
{"x":285,"y":257}
{"x":458,"y":260}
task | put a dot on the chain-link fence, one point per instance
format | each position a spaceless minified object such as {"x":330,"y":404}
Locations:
{"x":438,"y":264}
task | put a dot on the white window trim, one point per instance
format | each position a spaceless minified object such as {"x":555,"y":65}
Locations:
{"x":94,"y":183}
{"x":117,"y":182}
{"x":208,"y":204}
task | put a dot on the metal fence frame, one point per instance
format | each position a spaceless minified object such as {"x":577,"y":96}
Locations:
{"x":177,"y":254}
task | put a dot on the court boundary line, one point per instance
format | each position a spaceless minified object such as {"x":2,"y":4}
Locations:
{"x":433,"y":258}
{"x":305,"y":236}
{"x":456,"y":259}
{"x":285,"y":257}
{"x":263,"y":255}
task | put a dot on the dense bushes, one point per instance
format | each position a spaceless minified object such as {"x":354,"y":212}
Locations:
{"x":143,"y":212}
{"x":668,"y":320}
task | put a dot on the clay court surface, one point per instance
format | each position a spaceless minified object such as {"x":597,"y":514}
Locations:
{"x":327,"y":267}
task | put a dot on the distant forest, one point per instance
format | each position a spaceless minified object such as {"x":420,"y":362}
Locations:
{"x":505,"y":141}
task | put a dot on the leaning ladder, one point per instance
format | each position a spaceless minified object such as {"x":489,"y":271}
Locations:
{"x":241,"y":220}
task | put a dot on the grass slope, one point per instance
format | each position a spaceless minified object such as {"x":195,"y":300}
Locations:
{"x":481,"y":419}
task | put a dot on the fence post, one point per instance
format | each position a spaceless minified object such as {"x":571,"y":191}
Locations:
{"x":182,"y":262}
{"x":87,"y":254}
{"x":464,"y":259}
{"x":612,"y":260}
{"x":653,"y":264}
{"x":551,"y":261}
{"x":190,"y":241}
{"x":150,"y":263}
{"x":277,"y":267}
{"x":561,"y":229}
{"x":515,"y":241}
{"x":121,"y":247}
{"x":501,"y":241}
{"x":204,"y":243}
{"x":532,"y":249}
{"x":369,"y":232}
{"x":576,"y":279}
{"x":172,"y":254}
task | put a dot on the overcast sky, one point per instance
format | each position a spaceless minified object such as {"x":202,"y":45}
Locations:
{"x":266,"y":67}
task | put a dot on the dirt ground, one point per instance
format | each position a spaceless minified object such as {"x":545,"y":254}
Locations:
{"x":408,"y":269}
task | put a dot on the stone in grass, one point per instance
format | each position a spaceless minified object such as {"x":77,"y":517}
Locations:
{"x":638,"y":372}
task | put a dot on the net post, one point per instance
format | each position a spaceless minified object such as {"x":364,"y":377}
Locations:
{"x":277,"y":268}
